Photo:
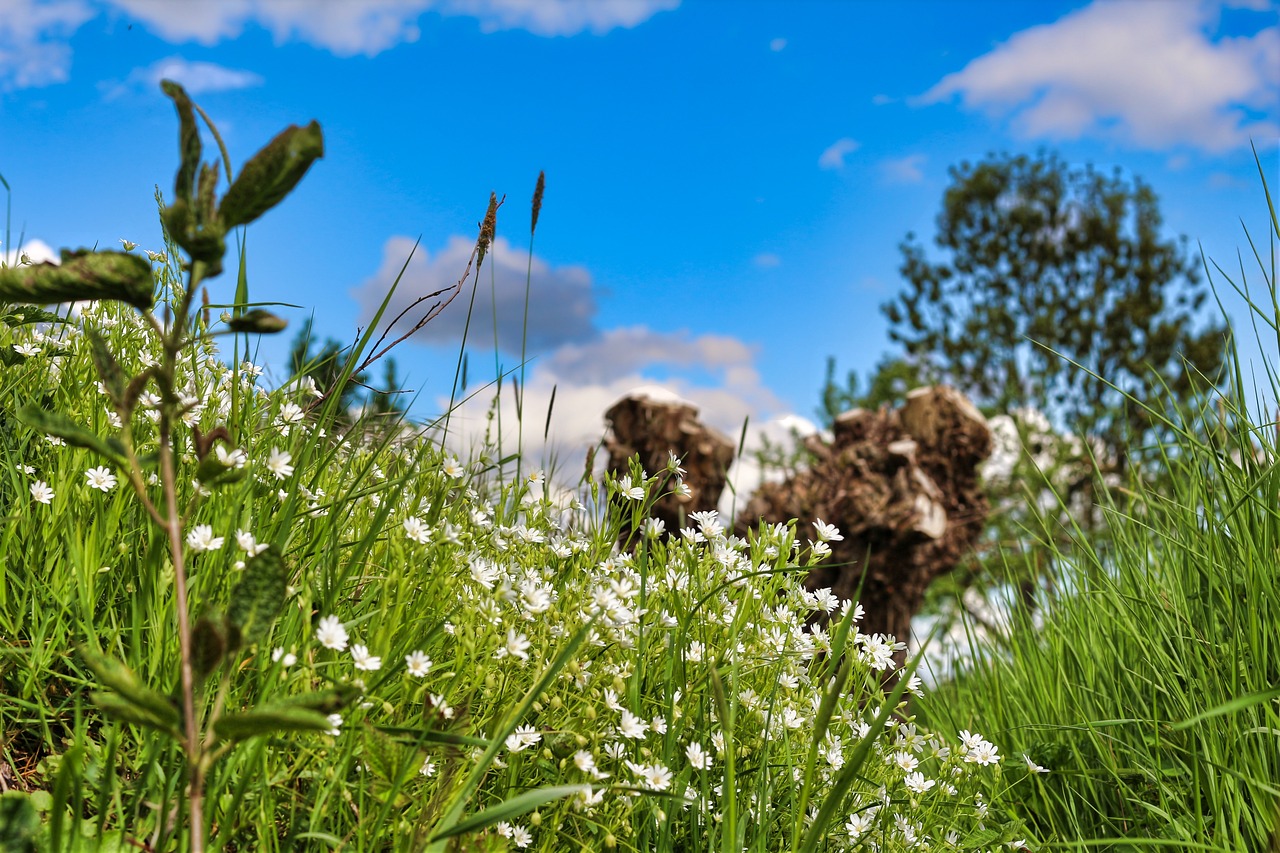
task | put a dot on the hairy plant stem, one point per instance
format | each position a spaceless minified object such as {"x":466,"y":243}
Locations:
{"x":174,"y":339}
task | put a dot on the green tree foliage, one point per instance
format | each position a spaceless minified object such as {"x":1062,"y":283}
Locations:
{"x":1055,"y":287}
{"x":324,"y":363}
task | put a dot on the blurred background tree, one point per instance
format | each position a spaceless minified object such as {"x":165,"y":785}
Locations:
{"x":1053,"y":293}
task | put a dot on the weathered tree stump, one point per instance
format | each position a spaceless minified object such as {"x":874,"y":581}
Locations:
{"x":902,"y":486}
{"x":655,"y":426}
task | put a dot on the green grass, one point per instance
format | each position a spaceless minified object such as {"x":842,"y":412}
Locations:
{"x":1151,"y":688}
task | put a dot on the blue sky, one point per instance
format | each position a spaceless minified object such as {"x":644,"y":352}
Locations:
{"x":727,"y":182}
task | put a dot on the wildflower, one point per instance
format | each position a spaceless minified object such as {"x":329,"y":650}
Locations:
{"x":1032,"y":767}
{"x":655,"y":776}
{"x":452,"y":468}
{"x":819,"y":549}
{"x":234,"y":458}
{"x":285,"y":659}
{"x":41,"y":492}
{"x":827,"y":532}
{"x":26,"y":350}
{"x":652,"y":527}
{"x":522,"y":738}
{"x":586,"y":762}
{"x":416,"y":530}
{"x":984,"y":753}
{"x":428,"y":768}
{"x":673,"y":464}
{"x":879,"y":649}
{"x":250,"y":545}
{"x":635,"y":493}
{"x":335,"y":723}
{"x":905,"y":761}
{"x":290,"y":413}
{"x":632,"y":726}
{"x":520,"y":836}
{"x":698,"y":757}
{"x":278,"y":463}
{"x":417,"y":664}
{"x":364,"y":660}
{"x":860,"y":822}
{"x":331,"y":634}
{"x":517,"y":646}
{"x":917,"y":784}
{"x":200,"y":538}
{"x":129,"y":245}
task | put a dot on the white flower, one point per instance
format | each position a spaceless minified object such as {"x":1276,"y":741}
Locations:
{"x":984,"y":753}
{"x":428,"y":768}
{"x":278,"y":463}
{"x":827,"y":532}
{"x":517,"y":646}
{"x":417,"y":664}
{"x":860,"y":822}
{"x":234,"y":458}
{"x":416,"y":530}
{"x":1032,"y":767}
{"x":335,"y":723}
{"x":635,"y":493}
{"x":917,"y":784}
{"x":331,"y":634}
{"x":41,"y":492}
{"x":632,"y":726}
{"x":699,"y":758}
{"x":452,"y":468}
{"x":364,"y":660}
{"x":200,"y":538}
{"x":26,"y":350}
{"x":654,"y":776}
{"x":522,"y":738}
{"x":520,"y":836}
{"x":250,"y":545}
{"x":286,"y":659}
{"x":290,"y":413}
{"x":905,"y":761}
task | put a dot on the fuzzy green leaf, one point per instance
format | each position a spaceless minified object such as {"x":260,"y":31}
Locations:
{"x":81,"y":275}
{"x":53,"y":423}
{"x":119,"y":708}
{"x":257,"y":322}
{"x":271,"y":174}
{"x":189,"y":146}
{"x":257,"y":599}
{"x":270,"y":719}
{"x":113,"y":378}
{"x":150,"y":703}
{"x":208,"y":646}
{"x":19,"y":823}
{"x":324,"y":701}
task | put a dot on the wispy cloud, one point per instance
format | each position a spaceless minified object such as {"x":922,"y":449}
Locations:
{"x":196,"y":77}
{"x":777,"y":45}
{"x":1147,"y":74}
{"x":33,"y":40}
{"x":833,"y":157}
{"x":903,"y":170}
{"x":767,"y":260}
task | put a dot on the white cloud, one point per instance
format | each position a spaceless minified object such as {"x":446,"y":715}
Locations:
{"x":196,"y":77}
{"x":558,"y":17}
{"x":37,"y":251}
{"x":777,"y":45}
{"x":767,"y":260}
{"x":882,"y":100}
{"x":369,"y":27}
{"x":562,"y":305}
{"x":833,"y":157}
{"x":903,"y":170}
{"x":1147,"y":74}
{"x":33,"y":35}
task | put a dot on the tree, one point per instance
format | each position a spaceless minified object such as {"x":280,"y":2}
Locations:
{"x":325,"y":367}
{"x":1055,"y":284}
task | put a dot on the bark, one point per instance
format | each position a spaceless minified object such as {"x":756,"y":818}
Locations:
{"x":654,"y":429}
{"x":902,"y":486}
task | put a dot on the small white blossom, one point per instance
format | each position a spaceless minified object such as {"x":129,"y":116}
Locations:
{"x":364,"y":660}
{"x":331,"y":634}
{"x":41,"y":492}
{"x":200,"y":538}
{"x":417,"y":664}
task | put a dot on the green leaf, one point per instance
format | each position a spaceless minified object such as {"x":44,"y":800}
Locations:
{"x":508,"y":810}
{"x":208,"y":646}
{"x":23,"y":315}
{"x":257,"y":599}
{"x":107,"y":367}
{"x":81,"y":275}
{"x":258,"y":322}
{"x":19,"y":823}
{"x":119,"y":708}
{"x":115,"y":675}
{"x":271,"y":174}
{"x":189,"y":147}
{"x":325,"y":701}
{"x":270,"y":719}
{"x":53,"y":423}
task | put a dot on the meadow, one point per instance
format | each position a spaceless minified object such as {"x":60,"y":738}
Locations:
{"x":233,"y":619}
